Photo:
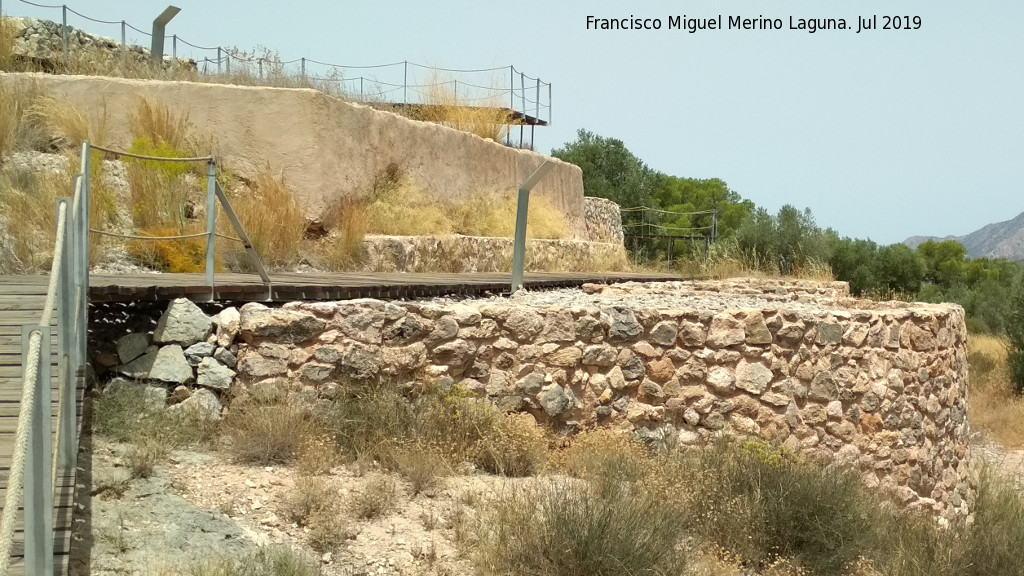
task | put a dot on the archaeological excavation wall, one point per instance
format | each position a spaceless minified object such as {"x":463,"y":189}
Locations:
{"x":881,"y":387}
{"x":325,"y":148}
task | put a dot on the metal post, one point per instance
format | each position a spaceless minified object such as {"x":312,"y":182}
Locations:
{"x":405,"y":84}
{"x":227,"y":62}
{"x":124,"y":41}
{"x":303,"y":67}
{"x":65,"y":332}
{"x":174,"y":46}
{"x":64,"y":33}
{"x":219,"y":58}
{"x":455,"y":91}
{"x":522,"y":213}
{"x":259,"y":64}
{"x":549,"y":103}
{"x":83,"y":223}
{"x":211,"y":219}
{"x":38,"y":459}
{"x":522,"y":93}
{"x":159,"y":27}
{"x":536,"y":116}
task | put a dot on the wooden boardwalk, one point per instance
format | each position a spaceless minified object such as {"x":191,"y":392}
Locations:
{"x":294,"y":286}
{"x":21,"y":303}
{"x":22,"y":299}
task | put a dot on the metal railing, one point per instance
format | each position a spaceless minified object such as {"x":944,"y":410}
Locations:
{"x":214,"y":193}
{"x":34,"y":447}
{"x":400,"y":83}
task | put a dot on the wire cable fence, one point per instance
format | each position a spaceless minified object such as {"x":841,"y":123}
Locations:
{"x":527,"y":98}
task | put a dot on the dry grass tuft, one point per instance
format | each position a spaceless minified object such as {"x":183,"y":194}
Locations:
{"x":343,"y":248}
{"x":494,"y":215}
{"x":143,"y":455}
{"x":19,"y":130}
{"x":62,"y":120}
{"x":994,"y":406}
{"x":31,"y":197}
{"x":268,"y":434}
{"x":405,"y":210}
{"x":272,"y":219}
{"x":378,"y":497}
{"x":7,"y":35}
{"x":156,"y":123}
{"x":488,"y":118}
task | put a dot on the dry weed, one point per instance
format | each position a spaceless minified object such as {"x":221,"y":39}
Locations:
{"x":157,"y":124}
{"x":317,"y":455}
{"x":272,"y":219}
{"x":488,"y":118}
{"x":378,"y":497}
{"x":994,"y":406}
{"x":7,"y":36}
{"x":268,"y":434}
{"x":312,"y":496}
{"x":342,"y":249}
{"x":62,"y":120}
{"x":143,"y":455}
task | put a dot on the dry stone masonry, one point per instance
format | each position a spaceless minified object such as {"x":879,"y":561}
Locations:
{"x":483,"y":254}
{"x":604,"y":221}
{"x":41,"y":42}
{"x":880,"y":387}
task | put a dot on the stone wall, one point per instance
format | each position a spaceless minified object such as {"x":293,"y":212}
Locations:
{"x":878,"y":386}
{"x":478,"y":254}
{"x":40,"y":44}
{"x":604,"y":221}
{"x":881,"y":387}
{"x":325,"y":148}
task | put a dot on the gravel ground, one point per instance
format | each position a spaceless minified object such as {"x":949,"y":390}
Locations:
{"x":701,"y":296}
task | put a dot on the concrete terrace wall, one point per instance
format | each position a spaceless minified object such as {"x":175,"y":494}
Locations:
{"x":326,"y":148}
{"x":878,"y":386}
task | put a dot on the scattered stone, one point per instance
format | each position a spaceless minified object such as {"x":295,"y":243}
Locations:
{"x":166,"y":364}
{"x":202,"y":402}
{"x":225,"y":357}
{"x":131,"y":346}
{"x":213,"y":374}
{"x":183,"y":323}
{"x":228,"y":323}
{"x":196,"y":352}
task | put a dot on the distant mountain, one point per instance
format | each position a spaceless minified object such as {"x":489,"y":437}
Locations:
{"x":999,"y":240}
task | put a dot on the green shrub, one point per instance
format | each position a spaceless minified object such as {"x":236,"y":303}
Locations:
{"x":763,"y":504}
{"x":563,"y":528}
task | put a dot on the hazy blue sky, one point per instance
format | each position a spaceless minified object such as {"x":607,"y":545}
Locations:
{"x":883,"y":134}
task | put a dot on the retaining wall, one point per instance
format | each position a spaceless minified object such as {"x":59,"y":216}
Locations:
{"x":604,"y":221}
{"x":481,"y":254}
{"x":325,"y":148}
{"x":877,"y":386}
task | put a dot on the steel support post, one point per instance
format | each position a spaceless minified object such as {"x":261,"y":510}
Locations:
{"x":83,"y":230}
{"x":522,"y":213}
{"x":64,"y":32}
{"x":66,"y":364}
{"x":211,"y":220}
{"x":38,"y":458}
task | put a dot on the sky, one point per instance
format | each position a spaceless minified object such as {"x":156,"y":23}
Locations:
{"x":882,"y":134}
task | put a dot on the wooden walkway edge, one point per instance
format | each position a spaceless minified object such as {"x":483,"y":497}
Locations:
{"x":21,"y":303}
